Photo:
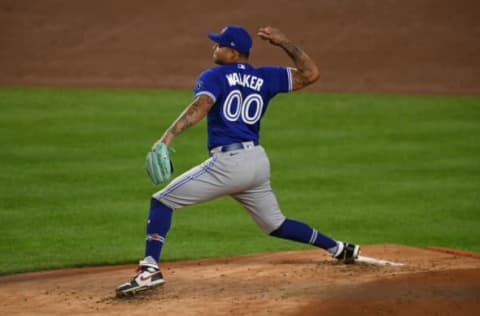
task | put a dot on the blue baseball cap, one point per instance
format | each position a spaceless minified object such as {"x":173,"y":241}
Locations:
{"x":233,"y":36}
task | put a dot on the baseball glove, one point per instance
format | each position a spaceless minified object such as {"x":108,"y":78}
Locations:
{"x":158,"y":163}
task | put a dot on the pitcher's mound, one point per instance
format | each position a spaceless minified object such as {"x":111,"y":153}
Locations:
{"x":283,"y":283}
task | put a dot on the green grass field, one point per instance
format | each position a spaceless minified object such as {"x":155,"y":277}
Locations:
{"x":365,"y":168}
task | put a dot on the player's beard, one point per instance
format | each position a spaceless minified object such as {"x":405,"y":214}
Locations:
{"x":217,"y":60}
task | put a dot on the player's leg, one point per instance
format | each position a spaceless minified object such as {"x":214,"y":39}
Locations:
{"x":158,"y":224}
{"x":263,"y":207}
{"x":261,"y":203}
{"x":148,"y":273}
{"x":211,"y":179}
{"x":186,"y":189}
{"x":299,"y":231}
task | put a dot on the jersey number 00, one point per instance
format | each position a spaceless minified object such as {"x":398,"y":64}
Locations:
{"x":244,"y":108}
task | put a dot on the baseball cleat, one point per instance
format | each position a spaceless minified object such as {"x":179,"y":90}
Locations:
{"x":346,"y":252}
{"x":148,"y":276}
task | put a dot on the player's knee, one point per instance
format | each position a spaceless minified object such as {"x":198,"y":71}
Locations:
{"x":271,"y":224}
{"x":277,"y":232}
{"x":155,"y":202}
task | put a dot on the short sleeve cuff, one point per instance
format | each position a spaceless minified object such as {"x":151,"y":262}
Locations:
{"x":289,"y":78}
{"x":207,"y":93}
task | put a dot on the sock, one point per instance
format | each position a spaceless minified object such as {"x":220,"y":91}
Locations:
{"x":158,"y":225}
{"x":301,"y":232}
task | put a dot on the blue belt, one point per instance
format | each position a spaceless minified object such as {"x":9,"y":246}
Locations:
{"x":233,"y":146}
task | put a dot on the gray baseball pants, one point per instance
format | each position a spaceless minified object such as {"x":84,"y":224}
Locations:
{"x":243,"y":174}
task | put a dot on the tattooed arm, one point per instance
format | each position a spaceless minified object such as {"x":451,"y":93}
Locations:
{"x":306,"y":71}
{"x":192,"y":114}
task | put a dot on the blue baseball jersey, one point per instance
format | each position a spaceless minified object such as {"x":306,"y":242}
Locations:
{"x":241,"y":94}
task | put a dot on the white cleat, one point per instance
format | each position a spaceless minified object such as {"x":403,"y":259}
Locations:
{"x":148,"y":276}
{"x":347,"y":253}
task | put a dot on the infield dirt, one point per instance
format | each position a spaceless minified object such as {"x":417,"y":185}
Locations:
{"x":282,"y":283}
{"x":422,"y":46}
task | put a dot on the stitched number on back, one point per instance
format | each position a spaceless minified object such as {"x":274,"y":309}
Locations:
{"x":254,"y":101}
{"x":249,"y":110}
{"x":232,"y":108}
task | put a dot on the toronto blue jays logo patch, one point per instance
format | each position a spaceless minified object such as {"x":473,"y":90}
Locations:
{"x":198,"y":85}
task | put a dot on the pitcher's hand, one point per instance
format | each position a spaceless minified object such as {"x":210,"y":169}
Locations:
{"x":272,"y":35}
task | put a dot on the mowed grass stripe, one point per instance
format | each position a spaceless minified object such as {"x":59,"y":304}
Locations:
{"x":366,"y":168}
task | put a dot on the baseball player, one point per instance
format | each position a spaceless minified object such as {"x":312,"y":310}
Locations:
{"x":234,"y":97}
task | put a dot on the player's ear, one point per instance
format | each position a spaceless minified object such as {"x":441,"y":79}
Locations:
{"x":235,"y":54}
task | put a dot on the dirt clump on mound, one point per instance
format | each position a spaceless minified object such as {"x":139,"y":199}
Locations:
{"x":283,"y":283}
